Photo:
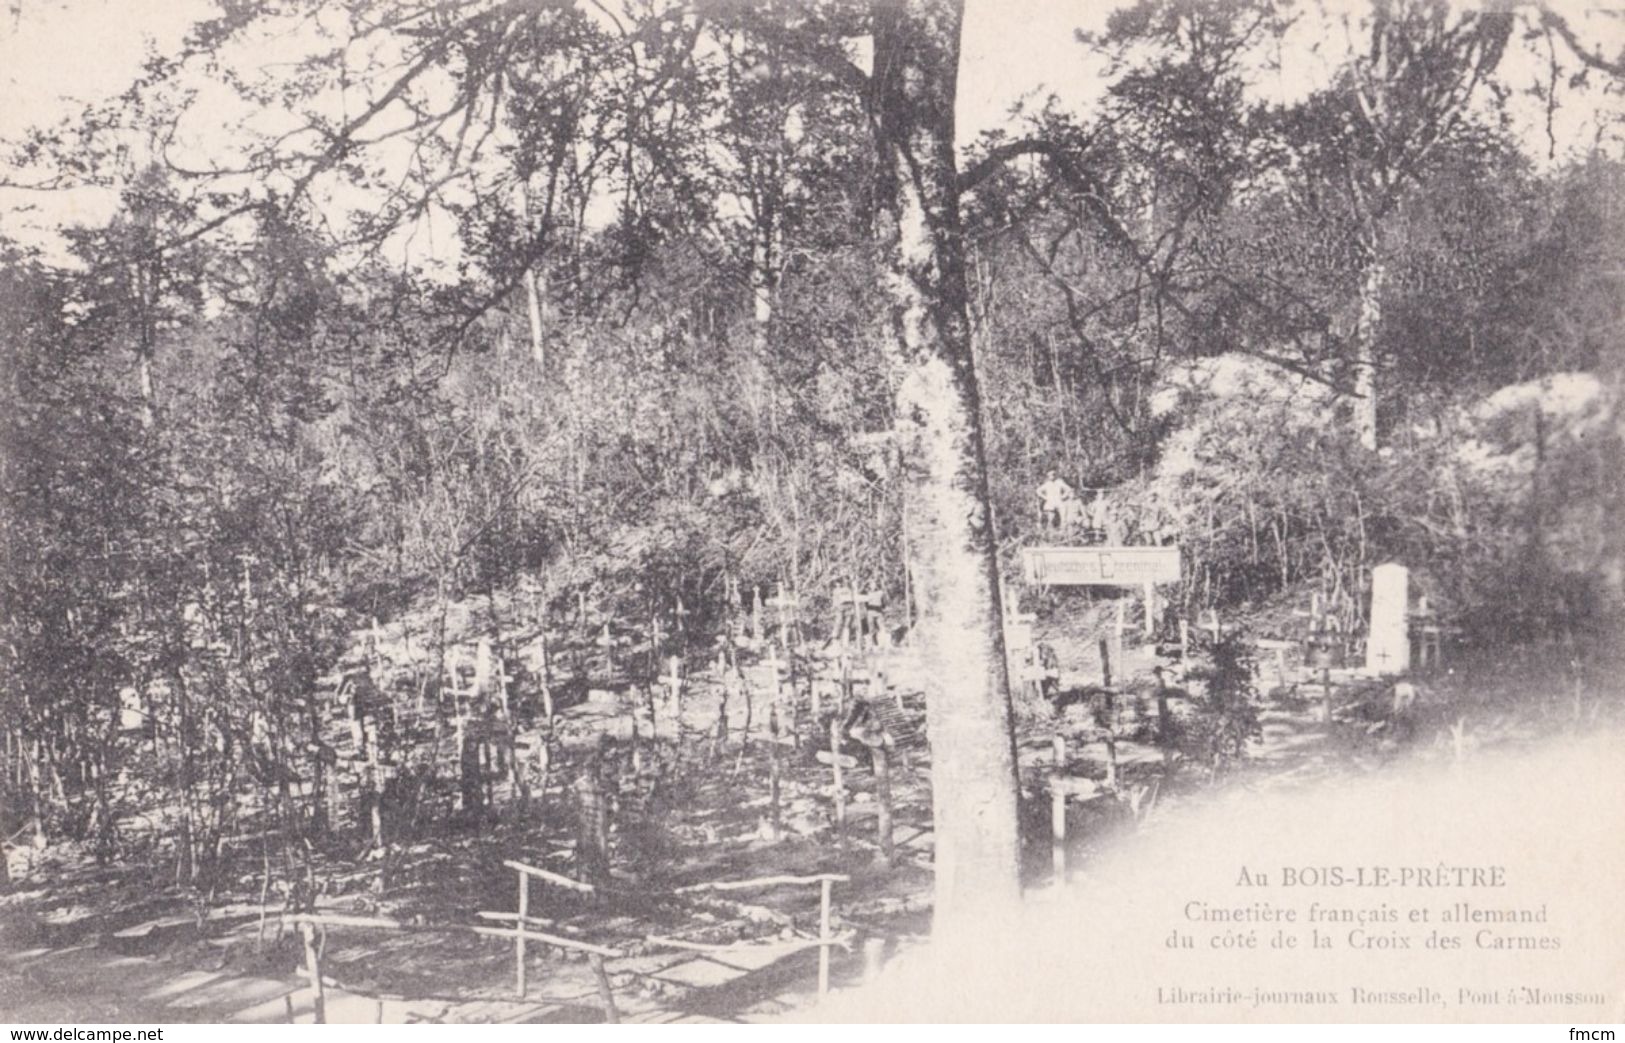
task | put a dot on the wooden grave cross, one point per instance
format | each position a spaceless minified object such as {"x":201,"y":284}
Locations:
{"x":673,"y":683}
{"x":786,"y":604}
{"x":248,"y":560}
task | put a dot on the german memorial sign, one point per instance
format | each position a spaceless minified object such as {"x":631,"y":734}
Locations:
{"x":1100,"y":566}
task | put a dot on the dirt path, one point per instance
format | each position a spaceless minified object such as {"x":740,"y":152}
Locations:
{"x":87,"y":984}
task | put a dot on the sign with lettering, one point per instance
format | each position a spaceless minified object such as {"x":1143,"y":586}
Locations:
{"x":1100,"y":566}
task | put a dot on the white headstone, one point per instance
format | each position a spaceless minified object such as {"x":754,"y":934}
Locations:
{"x":533,"y":654}
{"x":132,"y":712}
{"x":1388,"y":649}
{"x":483,"y":670}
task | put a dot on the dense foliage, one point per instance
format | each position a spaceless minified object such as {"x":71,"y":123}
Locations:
{"x":236,"y":432}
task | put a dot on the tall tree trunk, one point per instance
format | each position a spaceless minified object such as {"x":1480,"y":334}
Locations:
{"x":1366,"y":331}
{"x":968,"y":713}
{"x":143,"y":385}
{"x":535,"y":311}
{"x":534,"y":305}
{"x":764,"y":254}
{"x":147,"y":276}
{"x":1537,"y":492}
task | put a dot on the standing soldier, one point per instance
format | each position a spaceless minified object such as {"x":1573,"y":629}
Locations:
{"x":1056,"y":502}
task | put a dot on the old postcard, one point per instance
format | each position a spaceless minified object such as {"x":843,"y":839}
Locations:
{"x":918,"y":511}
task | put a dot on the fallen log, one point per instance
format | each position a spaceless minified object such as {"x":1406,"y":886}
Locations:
{"x":557,"y":879}
{"x":344,"y":920}
{"x":841,"y":941}
{"x":511,"y":917}
{"x":764,"y":881}
{"x":549,"y":939}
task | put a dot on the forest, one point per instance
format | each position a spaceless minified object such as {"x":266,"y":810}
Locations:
{"x":599,"y":447}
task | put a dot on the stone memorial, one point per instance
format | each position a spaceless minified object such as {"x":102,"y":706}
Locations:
{"x":1388,"y":648}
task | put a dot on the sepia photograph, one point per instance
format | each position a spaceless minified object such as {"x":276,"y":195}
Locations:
{"x":811,"y":511}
